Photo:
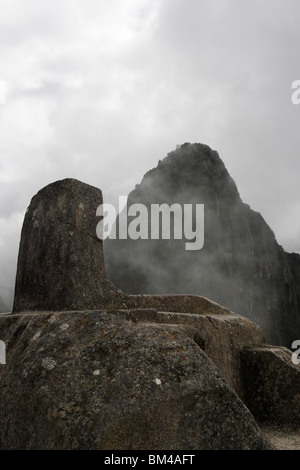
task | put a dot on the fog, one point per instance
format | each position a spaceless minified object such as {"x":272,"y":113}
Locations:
{"x":100,"y":91}
{"x":240,"y":265}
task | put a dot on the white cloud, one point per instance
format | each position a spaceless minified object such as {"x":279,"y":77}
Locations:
{"x":101,"y":90}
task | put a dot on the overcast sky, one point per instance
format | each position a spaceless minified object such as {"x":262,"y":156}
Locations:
{"x":100,"y":90}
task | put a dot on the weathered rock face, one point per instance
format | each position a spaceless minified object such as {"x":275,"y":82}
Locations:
{"x":148,"y":372}
{"x":241,"y":266}
{"x":272,"y":384}
{"x":60,"y":264}
{"x":93,"y":380}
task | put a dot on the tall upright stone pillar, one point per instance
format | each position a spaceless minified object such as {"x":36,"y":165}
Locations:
{"x":61,"y":263}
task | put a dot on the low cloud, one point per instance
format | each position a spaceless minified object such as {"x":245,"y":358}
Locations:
{"x":101,"y":91}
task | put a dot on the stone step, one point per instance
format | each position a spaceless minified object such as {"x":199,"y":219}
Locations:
{"x":282,"y":440}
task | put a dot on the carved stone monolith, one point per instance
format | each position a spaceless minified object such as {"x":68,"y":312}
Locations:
{"x":61,"y":264}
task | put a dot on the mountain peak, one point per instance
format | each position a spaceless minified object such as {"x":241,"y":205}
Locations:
{"x":240,"y":266}
{"x":188,"y":172}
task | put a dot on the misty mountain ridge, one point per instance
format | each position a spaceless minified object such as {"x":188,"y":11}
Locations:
{"x":241,"y":266}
